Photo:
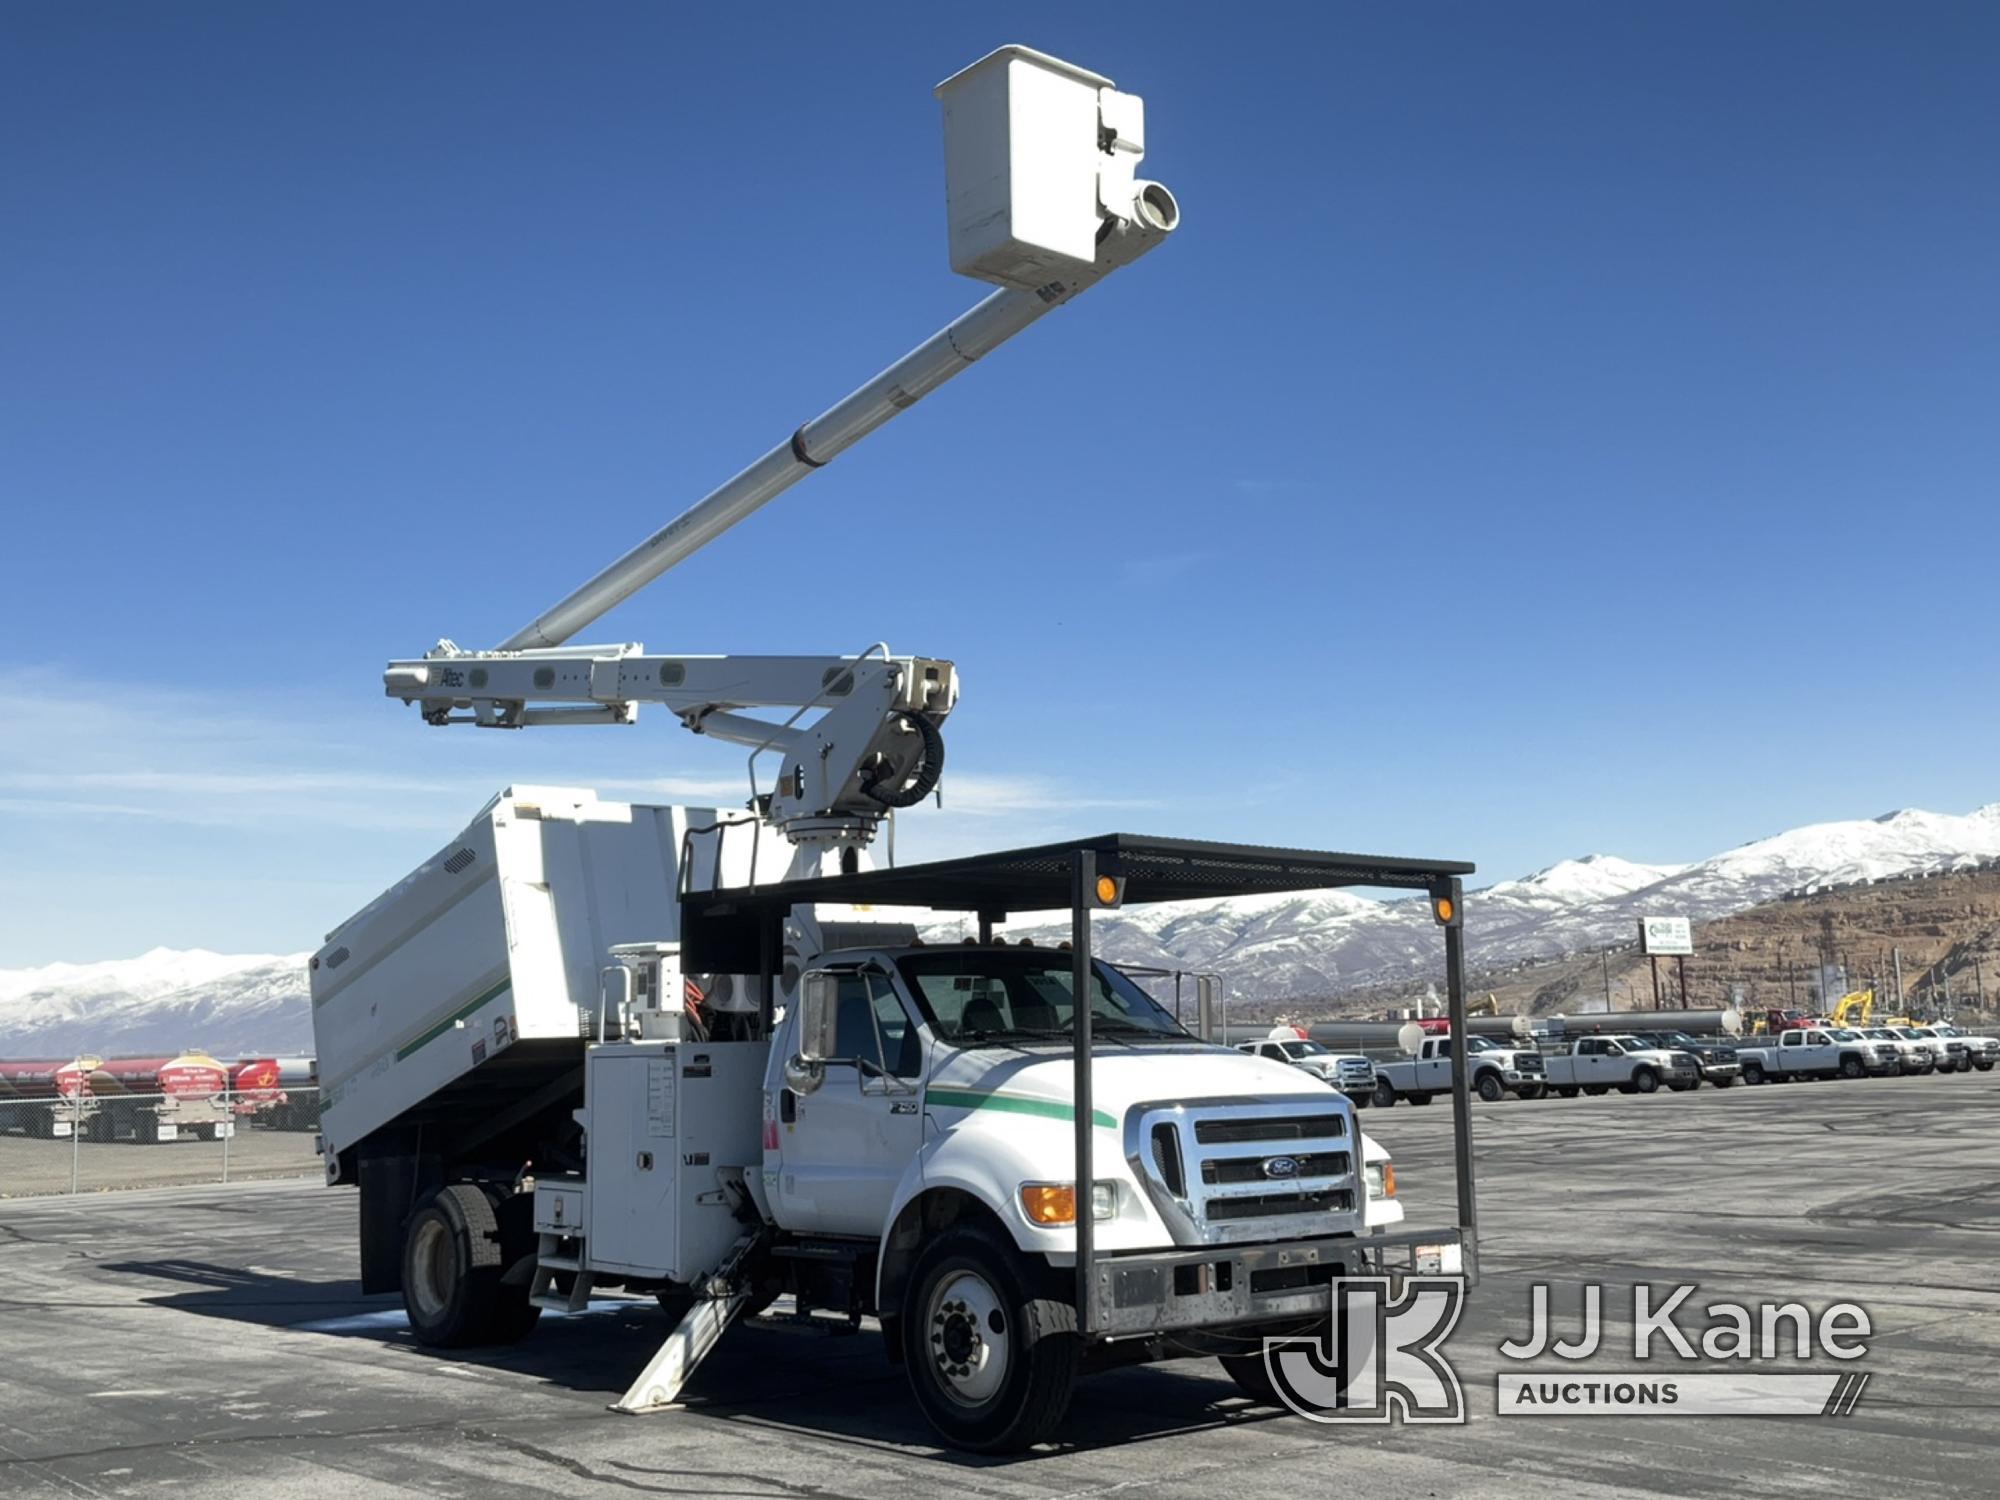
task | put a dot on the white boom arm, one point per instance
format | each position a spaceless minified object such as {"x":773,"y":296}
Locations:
{"x":1040,"y":157}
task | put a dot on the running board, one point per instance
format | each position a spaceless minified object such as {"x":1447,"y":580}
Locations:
{"x":550,"y":1263}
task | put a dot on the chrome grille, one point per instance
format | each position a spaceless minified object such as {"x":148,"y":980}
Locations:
{"x":1247,"y":1169}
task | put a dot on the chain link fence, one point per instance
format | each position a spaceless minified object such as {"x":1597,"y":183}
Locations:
{"x":96,"y":1143}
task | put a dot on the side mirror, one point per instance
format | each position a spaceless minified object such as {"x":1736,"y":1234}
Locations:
{"x":819,"y":1012}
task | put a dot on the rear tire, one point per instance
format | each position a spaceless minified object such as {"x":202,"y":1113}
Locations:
{"x":1722,"y":1083}
{"x":454,"y":1254}
{"x":1569,"y":1091}
{"x":991,"y":1362}
{"x":1594,"y":1089}
{"x":1420,"y":1098}
{"x":1532,"y":1091}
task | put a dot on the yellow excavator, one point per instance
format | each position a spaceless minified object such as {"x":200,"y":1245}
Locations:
{"x":1854,"y":1009}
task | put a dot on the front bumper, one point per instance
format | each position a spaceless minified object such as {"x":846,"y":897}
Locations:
{"x":1161,"y":1291}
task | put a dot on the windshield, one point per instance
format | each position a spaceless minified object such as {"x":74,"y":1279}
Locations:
{"x":1678,"y":1039}
{"x":1949,"y":1031}
{"x":971,"y":994}
{"x":1915,"y":1033}
{"x":1480,"y":1044}
{"x":1843,"y":1035}
{"x":1302,"y":1049}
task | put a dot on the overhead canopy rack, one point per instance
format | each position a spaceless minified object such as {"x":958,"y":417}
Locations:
{"x":720,"y":929}
{"x":739,"y":931}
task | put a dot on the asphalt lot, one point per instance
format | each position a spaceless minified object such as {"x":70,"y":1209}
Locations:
{"x":208,"y":1340}
{"x":29,"y":1166}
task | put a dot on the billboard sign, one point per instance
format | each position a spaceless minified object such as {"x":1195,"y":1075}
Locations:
{"x":1666,"y":937}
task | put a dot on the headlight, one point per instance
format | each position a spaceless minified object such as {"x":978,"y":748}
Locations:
{"x":1381,"y":1177}
{"x":1055,"y":1202}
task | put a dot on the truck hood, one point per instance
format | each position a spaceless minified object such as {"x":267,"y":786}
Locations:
{"x":1036,"y":1079}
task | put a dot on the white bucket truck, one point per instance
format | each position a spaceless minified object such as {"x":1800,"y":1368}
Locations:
{"x":593,"y":1044}
{"x":536,"y":1106}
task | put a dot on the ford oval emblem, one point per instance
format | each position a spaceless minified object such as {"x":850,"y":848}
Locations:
{"x":1281,"y":1166}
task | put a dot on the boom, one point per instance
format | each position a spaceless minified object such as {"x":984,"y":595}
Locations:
{"x":1040,"y":161}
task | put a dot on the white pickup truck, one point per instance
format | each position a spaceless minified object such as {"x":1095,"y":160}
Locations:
{"x":1350,"y":1072}
{"x":1493,"y":1072}
{"x":1969,"y":1051}
{"x":1819,"y":1052}
{"x":1919,"y":1054}
{"x":1629,"y":1064}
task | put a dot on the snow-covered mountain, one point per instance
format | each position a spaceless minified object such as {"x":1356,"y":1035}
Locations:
{"x":1266,"y":946}
{"x":1276,"y":947}
{"x":228,"y":1004}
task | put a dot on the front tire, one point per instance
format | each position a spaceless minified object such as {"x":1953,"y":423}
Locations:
{"x":1490,"y":1088}
{"x":990,"y":1361}
{"x":1722,"y":1083}
{"x":1645,"y":1081}
{"x":1385,"y":1094}
{"x":1753,"y":1073}
{"x":1850,"y":1067}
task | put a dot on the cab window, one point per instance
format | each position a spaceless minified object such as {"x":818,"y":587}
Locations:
{"x":863,"y":1017}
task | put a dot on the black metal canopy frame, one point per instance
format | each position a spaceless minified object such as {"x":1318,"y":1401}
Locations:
{"x":740,"y":930}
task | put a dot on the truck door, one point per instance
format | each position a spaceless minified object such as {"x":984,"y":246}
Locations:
{"x":845,"y":1145}
{"x":1586,"y":1061}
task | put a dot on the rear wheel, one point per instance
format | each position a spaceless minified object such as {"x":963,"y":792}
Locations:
{"x":1594,"y":1089}
{"x":991,"y":1363}
{"x":1722,"y":1083}
{"x":1532,"y":1091}
{"x":1568,"y":1091}
{"x":1420,"y":1098}
{"x":454,"y":1254}
{"x":1985,"y":1065}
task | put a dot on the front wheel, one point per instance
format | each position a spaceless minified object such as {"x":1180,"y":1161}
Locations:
{"x":1645,"y":1081}
{"x":1532,"y":1091}
{"x":1722,"y":1083}
{"x":1420,"y":1098}
{"x":1753,"y":1073}
{"x":1384,"y":1095}
{"x":1850,"y":1067}
{"x":990,"y":1362}
{"x":1490,"y":1088}
{"x":1985,"y":1065}
{"x":1569,"y":1091}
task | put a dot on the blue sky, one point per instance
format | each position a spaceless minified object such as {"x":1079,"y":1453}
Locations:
{"x":1556,"y":427}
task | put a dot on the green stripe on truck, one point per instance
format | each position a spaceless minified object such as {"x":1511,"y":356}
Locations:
{"x":451,"y":1020}
{"x":1020,"y":1104}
